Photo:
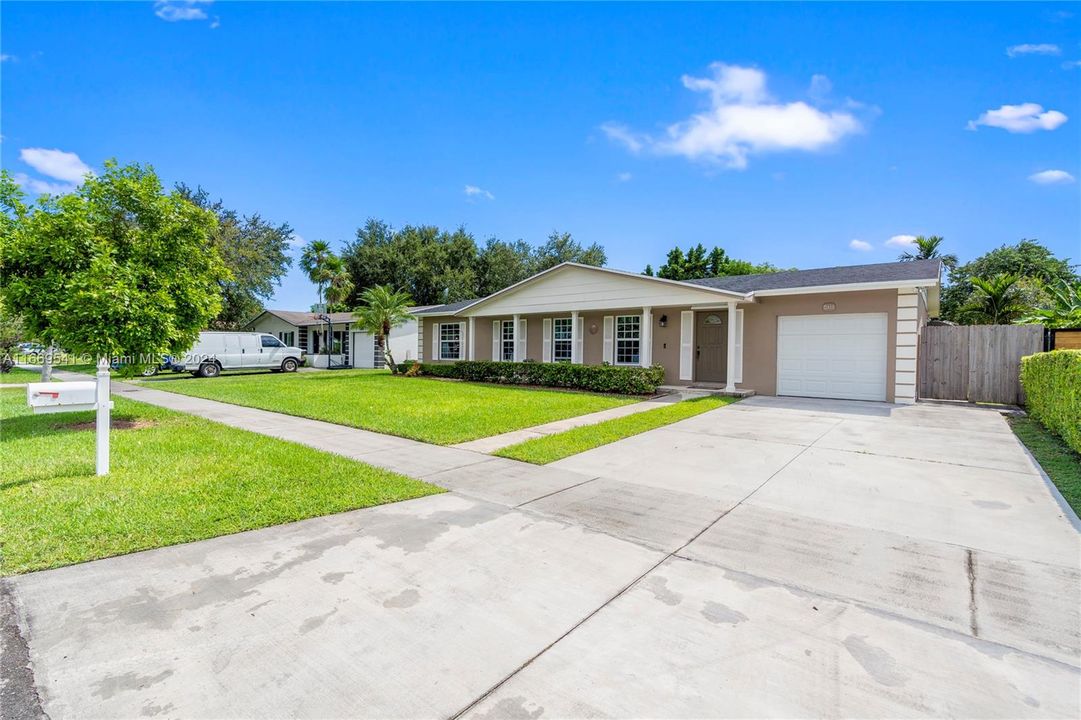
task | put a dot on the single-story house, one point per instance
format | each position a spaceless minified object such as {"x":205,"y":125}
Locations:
{"x":841,"y":332}
{"x":351,"y":347}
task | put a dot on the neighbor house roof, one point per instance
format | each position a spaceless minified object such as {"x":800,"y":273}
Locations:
{"x":301,"y":319}
{"x":447,"y":309}
{"x":910,"y":271}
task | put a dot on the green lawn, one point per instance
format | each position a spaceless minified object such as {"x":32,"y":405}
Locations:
{"x":436,"y":411}
{"x":175,"y":478}
{"x":20,"y":376}
{"x":541,"y":451}
{"x":1058,"y":460}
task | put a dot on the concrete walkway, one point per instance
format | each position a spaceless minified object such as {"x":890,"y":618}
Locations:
{"x":499,"y":480}
{"x":773,"y":558}
{"x":498,"y":442}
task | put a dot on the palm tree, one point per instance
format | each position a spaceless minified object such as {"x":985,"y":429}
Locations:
{"x":384,"y":309}
{"x":339,"y":286}
{"x":994,"y":300}
{"x":320,"y":264}
{"x":927,"y":249}
{"x":1063,"y":310}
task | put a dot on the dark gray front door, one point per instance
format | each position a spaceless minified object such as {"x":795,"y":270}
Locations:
{"x":711,"y":353}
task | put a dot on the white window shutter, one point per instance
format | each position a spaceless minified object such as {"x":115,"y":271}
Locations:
{"x":737,"y":373}
{"x":546,"y":354}
{"x":522,"y":339}
{"x":609,"y":355}
{"x":497,"y":339}
{"x":462,"y":340}
{"x":686,"y":345}
{"x":579,"y":340}
{"x":435,"y":341}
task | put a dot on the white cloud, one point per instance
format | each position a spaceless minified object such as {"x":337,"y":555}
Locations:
{"x":1051,"y":177}
{"x":742,"y":120}
{"x":179,"y":10}
{"x":472,"y":191}
{"x":1033,"y":49}
{"x":1071,"y":65}
{"x":56,"y":164}
{"x":39,"y":187}
{"x":860,"y":245}
{"x":901,"y":241}
{"x":624,"y":177}
{"x":820,"y":87}
{"x":1023,"y":118}
{"x":7,"y":58}
{"x":621,"y":134}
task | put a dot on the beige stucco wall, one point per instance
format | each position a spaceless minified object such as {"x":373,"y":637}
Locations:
{"x":760,"y":330}
{"x":759,"y":334}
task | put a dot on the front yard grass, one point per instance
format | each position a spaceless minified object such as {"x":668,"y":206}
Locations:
{"x":20,"y":376}
{"x":1057,"y":459}
{"x":547,"y":449}
{"x":443,"y":412}
{"x":175,"y":478}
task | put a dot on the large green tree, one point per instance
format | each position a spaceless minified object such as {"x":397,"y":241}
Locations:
{"x":501,"y":264}
{"x":698,"y":263}
{"x":117,"y":268}
{"x":1034,"y":264}
{"x":561,"y":248}
{"x":994,"y":301}
{"x":320,"y":264}
{"x":256,"y":253}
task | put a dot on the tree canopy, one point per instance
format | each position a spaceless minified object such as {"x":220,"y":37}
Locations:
{"x":116,"y":268}
{"x":1034,"y":265}
{"x":384,"y":309}
{"x":438,"y":266}
{"x":929,"y":248}
{"x":697,"y":263}
{"x":256,"y":253}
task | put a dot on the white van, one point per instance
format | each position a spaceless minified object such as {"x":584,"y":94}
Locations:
{"x":217,"y":351}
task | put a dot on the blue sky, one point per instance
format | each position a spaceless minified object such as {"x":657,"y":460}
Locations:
{"x":779,"y":132}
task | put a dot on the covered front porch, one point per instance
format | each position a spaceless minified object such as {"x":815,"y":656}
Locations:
{"x":694,"y":344}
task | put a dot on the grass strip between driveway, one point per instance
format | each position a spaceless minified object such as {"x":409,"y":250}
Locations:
{"x":20,"y":376}
{"x":547,"y":449}
{"x":1057,"y":459}
{"x":443,"y":412}
{"x":175,"y":478}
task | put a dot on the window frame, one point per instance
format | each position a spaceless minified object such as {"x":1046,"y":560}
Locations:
{"x":557,"y":341}
{"x":507,"y":342}
{"x":445,"y":341}
{"x":625,"y":342}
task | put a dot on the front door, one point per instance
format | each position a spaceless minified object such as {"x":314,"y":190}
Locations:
{"x":711,"y":352}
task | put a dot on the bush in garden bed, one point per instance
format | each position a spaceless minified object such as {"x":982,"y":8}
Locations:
{"x":1052,"y":382}
{"x":622,"y":379}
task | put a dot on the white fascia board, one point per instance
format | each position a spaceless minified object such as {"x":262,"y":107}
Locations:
{"x":847,"y":287}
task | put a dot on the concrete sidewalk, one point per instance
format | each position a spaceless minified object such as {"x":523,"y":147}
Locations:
{"x":499,"y":480}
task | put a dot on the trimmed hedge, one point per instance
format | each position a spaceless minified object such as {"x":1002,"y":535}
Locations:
{"x":622,"y":379}
{"x":1052,"y":382}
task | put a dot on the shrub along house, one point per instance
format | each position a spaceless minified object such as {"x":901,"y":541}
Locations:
{"x":842,"y":332}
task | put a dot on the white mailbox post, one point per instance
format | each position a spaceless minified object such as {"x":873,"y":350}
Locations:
{"x":54,"y":397}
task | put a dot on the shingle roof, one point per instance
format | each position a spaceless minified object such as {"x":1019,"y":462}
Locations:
{"x":444,"y":309}
{"x":301,"y":319}
{"x":843,"y":275}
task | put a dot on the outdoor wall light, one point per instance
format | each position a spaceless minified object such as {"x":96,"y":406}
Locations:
{"x":664,"y":321}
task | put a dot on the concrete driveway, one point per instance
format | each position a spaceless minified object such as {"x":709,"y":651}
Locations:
{"x":777,"y":557}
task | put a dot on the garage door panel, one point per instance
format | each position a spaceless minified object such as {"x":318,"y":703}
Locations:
{"x":835,"y":356}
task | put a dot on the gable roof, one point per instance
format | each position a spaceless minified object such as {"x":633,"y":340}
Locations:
{"x":302,"y":319}
{"x":447,"y":309}
{"x":914,"y":270}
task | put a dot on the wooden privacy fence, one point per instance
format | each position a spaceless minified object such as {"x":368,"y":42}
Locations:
{"x":978,"y":363}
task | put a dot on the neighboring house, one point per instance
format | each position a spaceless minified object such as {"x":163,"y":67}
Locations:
{"x":843,"y":332}
{"x":351,"y":346}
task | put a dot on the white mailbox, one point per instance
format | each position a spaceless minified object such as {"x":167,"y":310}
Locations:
{"x":54,"y":397}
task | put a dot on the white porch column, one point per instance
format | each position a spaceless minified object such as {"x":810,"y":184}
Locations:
{"x":517,"y":345}
{"x":471,"y":347}
{"x":730,"y":368}
{"x":645,"y":338}
{"x":575,"y":359}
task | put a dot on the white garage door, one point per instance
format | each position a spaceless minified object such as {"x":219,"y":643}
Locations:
{"x":362,"y":348}
{"x":832,"y":356}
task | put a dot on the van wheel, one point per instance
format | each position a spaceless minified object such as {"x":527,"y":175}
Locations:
{"x":209,"y":370}
{"x":289,"y":365}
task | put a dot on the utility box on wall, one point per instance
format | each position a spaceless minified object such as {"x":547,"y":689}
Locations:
{"x":54,"y":397}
